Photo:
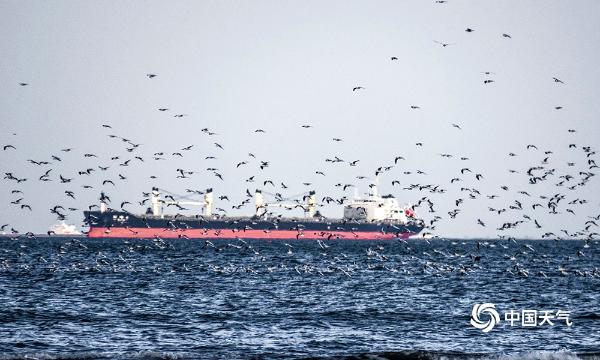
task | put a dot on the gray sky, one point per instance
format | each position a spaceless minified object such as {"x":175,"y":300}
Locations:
{"x":237,"y":66}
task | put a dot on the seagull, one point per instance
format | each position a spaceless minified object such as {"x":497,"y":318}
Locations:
{"x":441,"y":43}
{"x":23,"y":84}
{"x":506,"y":36}
{"x":469,"y":30}
{"x":357,"y":88}
{"x":150,"y":76}
{"x":558,"y":80}
{"x":394,"y":58}
{"x":6,"y":147}
{"x":456,"y":126}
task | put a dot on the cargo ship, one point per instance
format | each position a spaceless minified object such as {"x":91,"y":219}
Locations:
{"x":373,"y":217}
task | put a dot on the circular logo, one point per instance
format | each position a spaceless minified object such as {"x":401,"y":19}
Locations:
{"x":485,"y":309}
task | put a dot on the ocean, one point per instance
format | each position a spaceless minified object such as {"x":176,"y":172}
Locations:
{"x":229,"y":299}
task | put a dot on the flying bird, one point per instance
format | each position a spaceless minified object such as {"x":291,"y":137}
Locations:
{"x":441,"y":43}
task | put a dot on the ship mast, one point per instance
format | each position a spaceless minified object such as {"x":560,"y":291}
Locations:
{"x":103,"y":205}
{"x":208,"y":202}
{"x":155,"y":200}
{"x":375,"y":187}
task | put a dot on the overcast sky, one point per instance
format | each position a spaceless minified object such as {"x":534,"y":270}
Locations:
{"x":237,"y":66}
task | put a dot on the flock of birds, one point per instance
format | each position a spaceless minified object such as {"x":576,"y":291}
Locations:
{"x":513,"y":206}
{"x":508,"y":258}
{"x":522,"y":205}
{"x":520,"y":202}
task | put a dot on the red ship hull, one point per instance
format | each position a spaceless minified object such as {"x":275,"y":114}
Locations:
{"x":118,"y":232}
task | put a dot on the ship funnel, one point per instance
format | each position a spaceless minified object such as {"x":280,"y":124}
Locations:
{"x":155,"y":199}
{"x":259,"y":203}
{"x":311,"y":204}
{"x":208,"y":202}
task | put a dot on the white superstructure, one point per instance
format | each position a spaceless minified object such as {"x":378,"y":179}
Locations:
{"x":63,"y":228}
{"x":377,"y":208}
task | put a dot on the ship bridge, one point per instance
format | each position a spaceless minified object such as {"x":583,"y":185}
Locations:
{"x":377,"y":208}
